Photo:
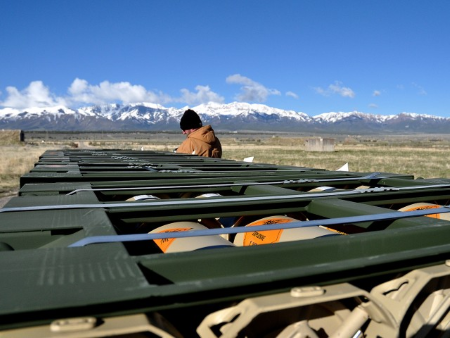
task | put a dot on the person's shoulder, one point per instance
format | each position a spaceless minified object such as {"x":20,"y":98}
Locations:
{"x":208,"y":128}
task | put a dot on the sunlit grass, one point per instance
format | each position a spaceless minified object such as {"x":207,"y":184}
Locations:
{"x":418,"y":161}
{"x":16,"y":161}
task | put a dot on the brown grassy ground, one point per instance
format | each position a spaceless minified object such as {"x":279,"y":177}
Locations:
{"x":16,"y":161}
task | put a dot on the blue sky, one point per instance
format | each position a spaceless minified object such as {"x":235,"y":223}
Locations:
{"x":380,"y":57}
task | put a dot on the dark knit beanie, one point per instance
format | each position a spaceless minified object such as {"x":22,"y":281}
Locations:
{"x":190,"y":120}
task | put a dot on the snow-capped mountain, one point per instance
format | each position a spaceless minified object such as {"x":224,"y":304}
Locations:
{"x":232,"y":116}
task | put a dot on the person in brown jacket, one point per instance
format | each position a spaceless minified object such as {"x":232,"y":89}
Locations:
{"x":201,"y":140}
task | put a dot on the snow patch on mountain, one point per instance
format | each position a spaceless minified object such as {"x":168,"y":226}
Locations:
{"x":415,"y":116}
{"x":334,"y":117}
{"x":231,"y":116}
{"x":14,"y":114}
{"x":242,"y":109}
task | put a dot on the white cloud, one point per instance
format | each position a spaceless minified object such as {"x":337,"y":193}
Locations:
{"x":292,"y":94}
{"x":336,"y":88}
{"x":81,"y":92}
{"x":376,"y":93}
{"x":251,"y":90}
{"x":106,"y":92}
{"x":35,"y":95}
{"x":203,"y":95}
{"x":373,"y":105}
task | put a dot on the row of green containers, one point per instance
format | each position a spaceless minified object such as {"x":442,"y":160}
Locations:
{"x":114,"y":242}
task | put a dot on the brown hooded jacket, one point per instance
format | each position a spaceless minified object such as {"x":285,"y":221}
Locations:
{"x":202,"y":142}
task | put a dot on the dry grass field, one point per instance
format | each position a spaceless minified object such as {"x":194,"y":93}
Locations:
{"x":420,"y":156}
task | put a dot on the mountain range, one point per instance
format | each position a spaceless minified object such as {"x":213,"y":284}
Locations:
{"x":232,"y":116}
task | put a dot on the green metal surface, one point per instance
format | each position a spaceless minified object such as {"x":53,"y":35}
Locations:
{"x":76,"y":194}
